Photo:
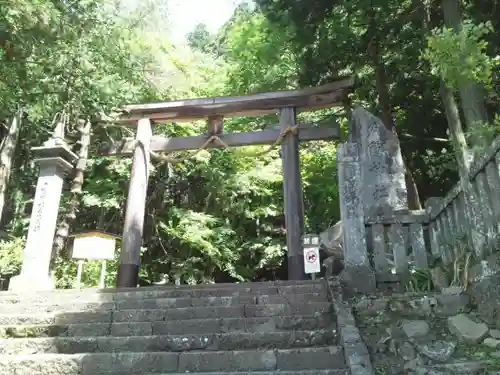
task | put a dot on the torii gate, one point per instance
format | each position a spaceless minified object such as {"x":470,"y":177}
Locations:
{"x":143,"y":117}
{"x":286,"y":103}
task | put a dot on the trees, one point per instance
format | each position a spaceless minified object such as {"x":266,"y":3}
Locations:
{"x":58,"y":57}
{"x":383,"y":41}
{"x":218,"y":216}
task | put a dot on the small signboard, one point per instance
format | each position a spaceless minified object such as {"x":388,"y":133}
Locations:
{"x":94,"y":245}
{"x":311,"y":254}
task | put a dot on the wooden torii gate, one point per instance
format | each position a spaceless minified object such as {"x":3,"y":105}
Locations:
{"x":286,"y":103}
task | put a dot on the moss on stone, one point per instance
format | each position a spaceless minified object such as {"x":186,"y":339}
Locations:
{"x":32,"y":331}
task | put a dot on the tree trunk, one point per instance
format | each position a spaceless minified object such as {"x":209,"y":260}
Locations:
{"x":62,"y":232}
{"x":471,"y":94}
{"x":457,"y":135}
{"x":385,"y":105}
{"x":7,"y":153}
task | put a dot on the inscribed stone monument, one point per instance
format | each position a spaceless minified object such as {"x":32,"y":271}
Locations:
{"x":383,"y":171}
{"x":382,"y":179}
{"x":357,"y":273}
{"x":55,"y":160}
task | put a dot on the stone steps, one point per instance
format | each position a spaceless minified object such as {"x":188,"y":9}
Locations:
{"x":302,"y":372}
{"x":125,"y":363}
{"x":279,"y":372}
{"x":171,"y":343}
{"x":259,"y":328}
{"x":198,"y":291}
{"x":180,"y":327}
{"x":155,"y":315}
{"x":161,"y":303}
{"x":234,"y":286}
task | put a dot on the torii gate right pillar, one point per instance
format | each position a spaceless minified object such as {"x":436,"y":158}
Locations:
{"x":292,"y":195}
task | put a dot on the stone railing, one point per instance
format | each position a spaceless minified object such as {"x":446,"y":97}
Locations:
{"x":371,"y":176}
{"x":404,"y":239}
{"x":397,"y":242}
{"x":473,"y":215}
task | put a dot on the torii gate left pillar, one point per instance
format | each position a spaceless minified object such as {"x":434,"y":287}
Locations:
{"x":133,"y":228}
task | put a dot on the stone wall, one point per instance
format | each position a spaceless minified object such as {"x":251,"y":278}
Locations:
{"x":427,"y":334}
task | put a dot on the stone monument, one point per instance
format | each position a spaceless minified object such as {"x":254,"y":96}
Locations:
{"x":372,"y":155}
{"x":55,"y":160}
{"x":357,"y":274}
{"x":383,"y":170}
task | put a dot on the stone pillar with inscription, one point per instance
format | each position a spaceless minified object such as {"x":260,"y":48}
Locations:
{"x":55,"y":160}
{"x":383,"y":170}
{"x":357,"y":273}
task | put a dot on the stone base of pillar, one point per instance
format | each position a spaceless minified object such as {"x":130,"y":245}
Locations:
{"x":296,"y":267}
{"x":128,"y":276}
{"x":358,"y":279}
{"x":23,"y":283}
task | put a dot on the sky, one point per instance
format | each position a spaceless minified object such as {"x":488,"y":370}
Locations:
{"x":184,"y":15}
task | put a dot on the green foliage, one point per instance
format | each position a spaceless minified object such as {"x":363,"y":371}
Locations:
{"x":419,"y":281}
{"x":65,"y":273}
{"x":219,"y":216}
{"x":260,"y":56}
{"x":201,"y":40}
{"x":461,"y":57}
{"x":10,"y":259}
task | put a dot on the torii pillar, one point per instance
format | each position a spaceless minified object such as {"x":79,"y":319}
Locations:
{"x":133,"y":228}
{"x":292,"y":194}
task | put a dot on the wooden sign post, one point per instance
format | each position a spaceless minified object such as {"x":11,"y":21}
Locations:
{"x":94,"y":245}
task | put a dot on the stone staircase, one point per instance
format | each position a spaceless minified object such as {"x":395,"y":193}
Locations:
{"x":286,"y":328}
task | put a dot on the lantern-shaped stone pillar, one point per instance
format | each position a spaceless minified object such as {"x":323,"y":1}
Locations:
{"x":55,"y":160}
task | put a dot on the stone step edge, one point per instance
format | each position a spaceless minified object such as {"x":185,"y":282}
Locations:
{"x":257,"y":300}
{"x":200,"y":320}
{"x":167,"y":365}
{"x":127,"y":363}
{"x":161,"y":293}
{"x":277,"y":372}
{"x":166,"y":309}
{"x":152,"y":337}
{"x":22,"y":357}
{"x":249,"y":285}
{"x":170,"y":343}
{"x":48,"y":356}
{"x":65,"y":326}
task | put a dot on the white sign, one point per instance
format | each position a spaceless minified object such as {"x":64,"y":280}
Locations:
{"x":311,"y":260}
{"x":94,"y":248}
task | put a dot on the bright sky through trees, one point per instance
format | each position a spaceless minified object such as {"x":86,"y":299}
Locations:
{"x":186,"y":14}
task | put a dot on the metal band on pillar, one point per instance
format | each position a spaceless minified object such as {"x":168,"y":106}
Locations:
{"x":292,"y":194}
{"x":130,"y":256}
